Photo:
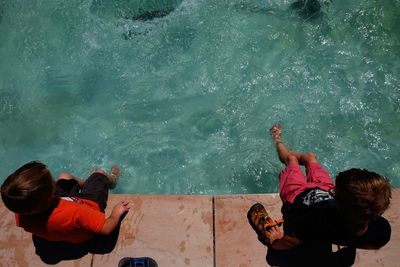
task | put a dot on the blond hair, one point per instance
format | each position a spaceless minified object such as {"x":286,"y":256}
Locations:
{"x":362,"y":196}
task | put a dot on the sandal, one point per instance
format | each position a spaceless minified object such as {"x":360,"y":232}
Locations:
{"x":260,"y":221}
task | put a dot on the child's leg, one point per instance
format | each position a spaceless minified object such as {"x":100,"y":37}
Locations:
{"x":96,"y":189}
{"x":316,"y":174}
{"x":292,"y":180}
{"x":115,"y":172}
{"x":67,"y":185}
{"x":68,"y":176}
{"x":97,"y":185}
{"x":287,"y":156}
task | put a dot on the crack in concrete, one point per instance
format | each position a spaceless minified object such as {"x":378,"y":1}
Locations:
{"x":213,"y":229}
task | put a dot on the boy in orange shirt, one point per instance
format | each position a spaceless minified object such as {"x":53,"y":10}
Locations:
{"x":69,"y":211}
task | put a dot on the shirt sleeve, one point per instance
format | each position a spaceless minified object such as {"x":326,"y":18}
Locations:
{"x":90,"y":219}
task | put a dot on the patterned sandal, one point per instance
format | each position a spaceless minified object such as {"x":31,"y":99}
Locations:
{"x":260,"y":221}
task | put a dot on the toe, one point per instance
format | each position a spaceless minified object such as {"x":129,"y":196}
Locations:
{"x":275,"y":131}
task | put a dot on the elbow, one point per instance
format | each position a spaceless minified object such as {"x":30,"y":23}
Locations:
{"x":105,"y":232}
{"x":107,"y":229}
{"x":109,"y":225}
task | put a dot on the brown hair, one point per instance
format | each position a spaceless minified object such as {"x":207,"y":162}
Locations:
{"x":361,"y":196}
{"x":28,"y":189}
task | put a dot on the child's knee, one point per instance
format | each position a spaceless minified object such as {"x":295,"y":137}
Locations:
{"x":310,"y":157}
{"x":291,"y":160}
{"x":65,"y":175}
{"x":101,"y":171}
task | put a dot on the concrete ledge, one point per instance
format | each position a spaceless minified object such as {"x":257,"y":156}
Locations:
{"x":186,"y":231}
{"x":173,"y":230}
{"x":236,"y":243}
{"x":16,"y":247}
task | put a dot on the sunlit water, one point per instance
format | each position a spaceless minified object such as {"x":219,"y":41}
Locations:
{"x":183,"y":102}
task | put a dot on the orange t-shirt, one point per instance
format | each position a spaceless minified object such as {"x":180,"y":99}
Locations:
{"x":74,"y":220}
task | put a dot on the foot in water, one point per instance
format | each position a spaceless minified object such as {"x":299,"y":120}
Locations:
{"x":113,"y":176}
{"x":276,"y":133}
{"x":283,"y":151}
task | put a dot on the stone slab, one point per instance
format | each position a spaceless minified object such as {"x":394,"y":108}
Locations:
{"x":236,"y":243}
{"x":173,"y":230}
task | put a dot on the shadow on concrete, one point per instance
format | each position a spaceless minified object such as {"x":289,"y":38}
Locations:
{"x":311,"y":254}
{"x":51,"y":252}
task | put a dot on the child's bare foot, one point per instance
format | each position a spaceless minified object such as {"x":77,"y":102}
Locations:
{"x":113,"y":176}
{"x":276,"y":133}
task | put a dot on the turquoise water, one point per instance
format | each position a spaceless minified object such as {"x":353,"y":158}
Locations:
{"x":183,"y":102}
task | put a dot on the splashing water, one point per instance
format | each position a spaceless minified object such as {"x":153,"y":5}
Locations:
{"x":182,"y":100}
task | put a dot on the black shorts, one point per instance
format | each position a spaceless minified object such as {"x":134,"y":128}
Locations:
{"x":95,"y":189}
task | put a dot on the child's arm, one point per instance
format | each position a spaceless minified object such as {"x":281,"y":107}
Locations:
{"x":279,"y":241}
{"x":112,"y":221}
{"x":286,"y":242}
{"x":68,"y":176}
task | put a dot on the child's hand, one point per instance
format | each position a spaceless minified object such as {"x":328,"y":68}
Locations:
{"x":120,"y":209}
{"x":111,"y":222}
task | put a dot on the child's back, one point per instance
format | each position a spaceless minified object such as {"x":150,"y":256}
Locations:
{"x":68,"y":221}
{"x":69,"y":211}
